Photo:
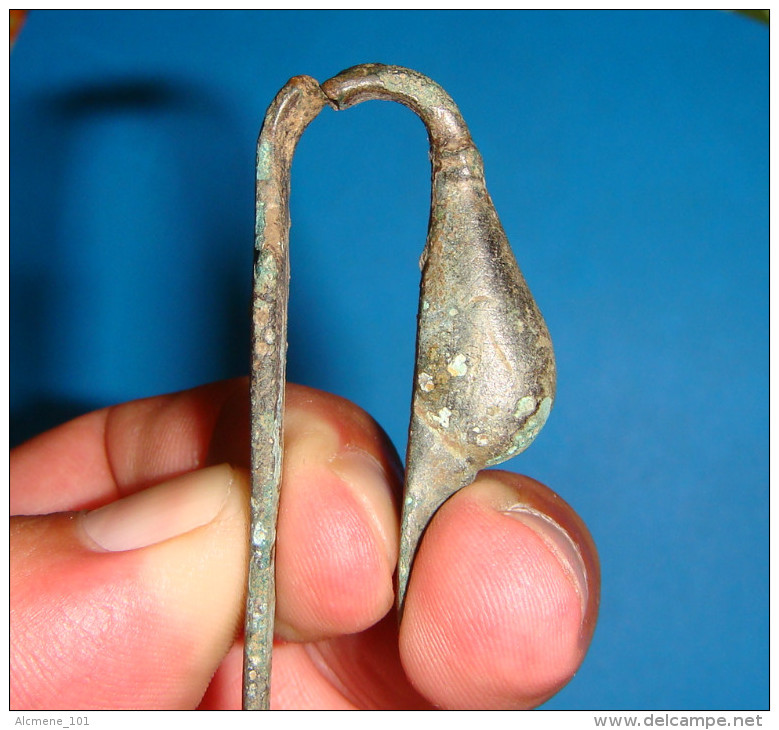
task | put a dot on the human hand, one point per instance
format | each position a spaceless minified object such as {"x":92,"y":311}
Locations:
{"x":139,"y":605}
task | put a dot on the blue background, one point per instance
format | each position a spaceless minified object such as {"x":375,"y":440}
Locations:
{"x":627,"y":154}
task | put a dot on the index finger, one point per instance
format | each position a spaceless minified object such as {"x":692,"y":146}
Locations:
{"x":110,"y":453}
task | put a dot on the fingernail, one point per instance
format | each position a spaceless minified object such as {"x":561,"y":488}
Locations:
{"x":559,"y":543}
{"x":161,"y":512}
{"x":369,"y":483}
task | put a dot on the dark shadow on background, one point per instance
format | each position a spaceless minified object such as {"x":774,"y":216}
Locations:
{"x":40,"y":415}
{"x":42,"y":135}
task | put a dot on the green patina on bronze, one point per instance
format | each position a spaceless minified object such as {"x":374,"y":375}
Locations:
{"x":484,"y":379}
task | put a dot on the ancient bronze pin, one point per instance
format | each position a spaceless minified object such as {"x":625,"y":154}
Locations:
{"x":484,"y":379}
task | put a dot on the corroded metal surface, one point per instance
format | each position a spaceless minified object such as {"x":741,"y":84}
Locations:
{"x":289,"y":114}
{"x":485,"y":377}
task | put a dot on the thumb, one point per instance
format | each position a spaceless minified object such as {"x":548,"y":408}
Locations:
{"x":132,"y":605}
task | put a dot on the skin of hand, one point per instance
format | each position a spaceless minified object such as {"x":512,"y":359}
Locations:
{"x":129,"y":553}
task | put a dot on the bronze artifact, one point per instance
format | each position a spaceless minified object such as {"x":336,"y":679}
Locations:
{"x":484,"y":380}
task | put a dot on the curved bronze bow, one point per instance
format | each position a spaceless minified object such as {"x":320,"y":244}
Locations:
{"x":485,"y":375}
